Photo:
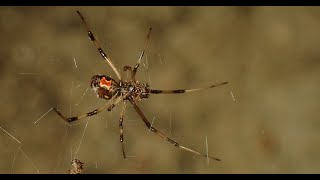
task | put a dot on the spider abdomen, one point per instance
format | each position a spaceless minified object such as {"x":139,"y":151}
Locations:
{"x":104,"y":86}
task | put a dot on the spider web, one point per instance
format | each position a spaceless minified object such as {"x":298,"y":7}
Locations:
{"x":45,"y":75}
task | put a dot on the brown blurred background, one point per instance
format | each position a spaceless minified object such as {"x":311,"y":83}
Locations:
{"x":270,"y":56}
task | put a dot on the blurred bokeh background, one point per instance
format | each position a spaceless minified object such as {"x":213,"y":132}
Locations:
{"x":270,"y":56}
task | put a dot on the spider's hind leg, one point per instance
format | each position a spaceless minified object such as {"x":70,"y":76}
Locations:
{"x":91,"y":113}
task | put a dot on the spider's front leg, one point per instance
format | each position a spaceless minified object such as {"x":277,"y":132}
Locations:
{"x":134,"y":71}
{"x":129,"y":68}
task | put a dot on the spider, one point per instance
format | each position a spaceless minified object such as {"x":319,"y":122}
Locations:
{"x":131,"y":91}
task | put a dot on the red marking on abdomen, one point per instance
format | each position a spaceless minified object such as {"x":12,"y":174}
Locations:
{"x":105,"y":83}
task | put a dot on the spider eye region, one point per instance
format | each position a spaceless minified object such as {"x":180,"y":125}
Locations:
{"x":105,"y":83}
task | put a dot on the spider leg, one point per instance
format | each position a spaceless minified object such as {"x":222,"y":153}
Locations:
{"x":121,"y":127}
{"x":141,"y":55}
{"x":176,"y":144}
{"x":91,"y":113}
{"x":155,"y":91}
{"x":98,"y":46}
{"x":126,"y":68}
